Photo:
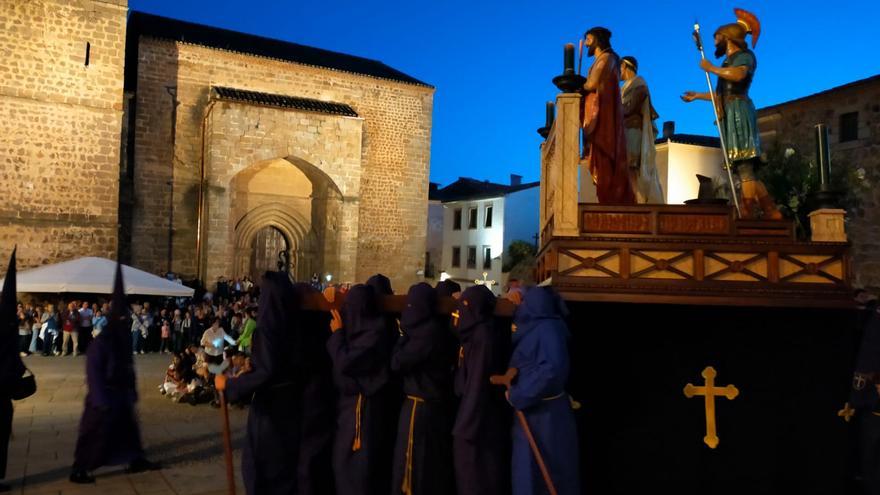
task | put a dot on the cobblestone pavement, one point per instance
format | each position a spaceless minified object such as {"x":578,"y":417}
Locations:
{"x":186,"y":439}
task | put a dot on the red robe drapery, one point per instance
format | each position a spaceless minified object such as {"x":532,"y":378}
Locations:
{"x":604,"y":138}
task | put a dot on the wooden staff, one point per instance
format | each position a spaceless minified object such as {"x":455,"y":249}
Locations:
{"x":227,"y":443}
{"x":392,"y":304}
{"x":506,"y":380}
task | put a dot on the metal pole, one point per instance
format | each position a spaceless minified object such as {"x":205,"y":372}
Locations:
{"x":718,"y":123}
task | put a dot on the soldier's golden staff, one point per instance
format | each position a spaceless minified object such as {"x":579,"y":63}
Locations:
{"x":699,"y":41}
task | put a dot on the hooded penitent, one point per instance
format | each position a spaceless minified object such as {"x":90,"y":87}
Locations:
{"x":272,"y":448}
{"x":109,"y":433}
{"x":318,"y":398}
{"x":364,"y":436}
{"x":482,"y":424}
{"x":11,"y":367}
{"x":424,"y":358}
{"x":540,"y":354}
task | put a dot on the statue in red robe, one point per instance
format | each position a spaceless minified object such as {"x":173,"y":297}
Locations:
{"x":604,"y":137}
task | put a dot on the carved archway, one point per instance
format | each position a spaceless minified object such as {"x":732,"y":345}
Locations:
{"x":289,"y":222}
{"x":298,"y":199}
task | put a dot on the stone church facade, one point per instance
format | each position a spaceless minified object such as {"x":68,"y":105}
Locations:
{"x":61,"y":75}
{"x":234,"y":147}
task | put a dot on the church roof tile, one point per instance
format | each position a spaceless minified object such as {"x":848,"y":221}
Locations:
{"x":284,"y":101}
{"x":143,"y":24}
{"x":466,"y":188}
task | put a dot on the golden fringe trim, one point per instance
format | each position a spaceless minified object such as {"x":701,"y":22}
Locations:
{"x":407,"y":473}
{"x":358,"y":410}
{"x":737,"y":154}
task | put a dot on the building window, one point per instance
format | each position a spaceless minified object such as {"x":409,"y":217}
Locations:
{"x":488,"y":221}
{"x":456,"y":219}
{"x":456,"y":257}
{"x":849,"y":127}
{"x":472,"y":257}
{"x":487,"y":258}
{"x":472,"y":218}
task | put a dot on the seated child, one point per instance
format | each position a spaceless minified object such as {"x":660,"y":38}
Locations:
{"x":174,"y":385}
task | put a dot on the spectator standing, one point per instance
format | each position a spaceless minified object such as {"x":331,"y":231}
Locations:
{"x":24,"y":332}
{"x":99,"y":321}
{"x":36,"y":325}
{"x":177,"y":332}
{"x":137,"y":331}
{"x":48,"y":329}
{"x":70,"y":327}
{"x":186,"y":331}
{"x":247,"y":332}
{"x":200,"y":325}
{"x":165,"y":330}
{"x":235,"y":325}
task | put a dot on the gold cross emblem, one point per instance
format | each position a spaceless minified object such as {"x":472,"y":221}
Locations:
{"x":455,"y":316}
{"x":485,"y":281}
{"x":709,"y":390}
{"x":847,"y":412}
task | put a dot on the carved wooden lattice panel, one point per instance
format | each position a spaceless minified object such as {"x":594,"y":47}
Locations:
{"x":811,"y":269}
{"x":672,"y":265}
{"x":737,"y":267}
{"x":603,"y":263}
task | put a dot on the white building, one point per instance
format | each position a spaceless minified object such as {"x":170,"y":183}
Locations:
{"x":680,"y":157}
{"x":480,"y":220}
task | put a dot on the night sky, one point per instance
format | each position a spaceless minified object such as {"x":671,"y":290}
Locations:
{"x":492,"y":62}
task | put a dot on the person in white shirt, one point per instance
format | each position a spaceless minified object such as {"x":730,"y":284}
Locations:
{"x":212,"y":341}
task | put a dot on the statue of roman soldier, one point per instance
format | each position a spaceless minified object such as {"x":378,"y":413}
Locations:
{"x":738,"y":120}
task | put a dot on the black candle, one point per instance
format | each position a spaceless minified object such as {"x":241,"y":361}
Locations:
{"x":551,"y":107}
{"x":569,"y":58}
{"x":823,"y":156}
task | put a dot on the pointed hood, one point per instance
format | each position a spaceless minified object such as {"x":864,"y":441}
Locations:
{"x":540,"y":305}
{"x":366,"y":334}
{"x":11,"y":367}
{"x":381,"y":284}
{"x":447,"y":288}
{"x":278,"y":320}
{"x":475,"y":307}
{"x":116,"y":337}
{"x":360,"y":315}
{"x":421,"y":306}
{"x":382,"y":287}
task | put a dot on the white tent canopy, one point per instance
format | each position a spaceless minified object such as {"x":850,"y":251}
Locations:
{"x":95,"y":276}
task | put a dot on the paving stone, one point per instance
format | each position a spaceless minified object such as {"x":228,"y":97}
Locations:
{"x":187,"y":440}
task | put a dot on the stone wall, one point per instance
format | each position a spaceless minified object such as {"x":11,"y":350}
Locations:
{"x":60,"y":127}
{"x":382,"y":220}
{"x":792,"y":124}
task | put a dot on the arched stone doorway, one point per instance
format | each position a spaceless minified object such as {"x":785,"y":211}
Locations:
{"x":268,"y":243}
{"x":285,"y":203}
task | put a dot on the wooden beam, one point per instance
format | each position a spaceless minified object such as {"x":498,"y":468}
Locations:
{"x":396,"y":304}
